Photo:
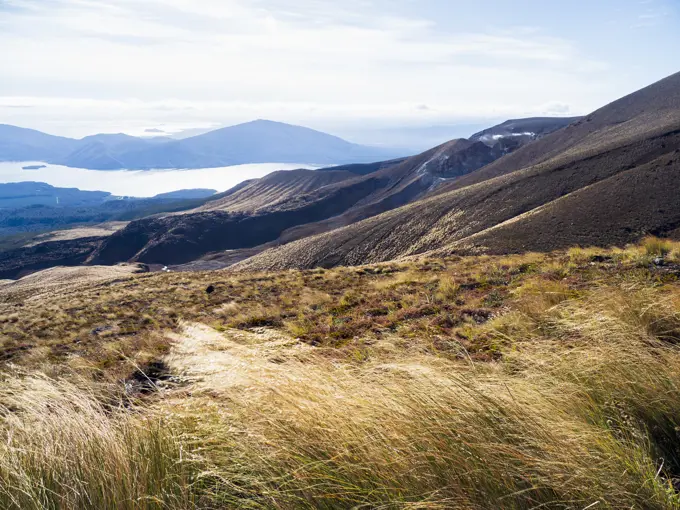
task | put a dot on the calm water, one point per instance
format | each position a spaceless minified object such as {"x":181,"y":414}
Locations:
{"x":138,"y":183}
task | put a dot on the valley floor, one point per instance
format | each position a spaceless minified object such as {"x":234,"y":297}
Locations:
{"x":526,"y":381}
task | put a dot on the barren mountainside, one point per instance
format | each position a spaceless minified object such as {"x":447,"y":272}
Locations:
{"x":279,"y":189}
{"x":293,"y":205}
{"x":532,"y":128}
{"x":645,"y":114}
{"x":260,"y":141}
{"x":607,"y":179}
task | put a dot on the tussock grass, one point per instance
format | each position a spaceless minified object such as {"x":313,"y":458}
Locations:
{"x":68,"y":446}
{"x":657,"y":247}
{"x":448,"y":289}
{"x":649,"y":249}
{"x":538,"y":295}
{"x":586,"y":413}
{"x":545,"y":381}
{"x":565,"y":433}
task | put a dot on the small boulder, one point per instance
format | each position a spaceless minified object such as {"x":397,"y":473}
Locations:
{"x":210,"y":289}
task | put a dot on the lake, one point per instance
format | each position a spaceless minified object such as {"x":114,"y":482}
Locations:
{"x":140,"y":183}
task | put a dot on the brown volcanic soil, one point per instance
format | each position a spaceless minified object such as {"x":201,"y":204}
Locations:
{"x":621,"y":208}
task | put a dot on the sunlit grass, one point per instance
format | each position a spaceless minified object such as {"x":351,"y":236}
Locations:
{"x":69,"y":446}
{"x":545,"y":381}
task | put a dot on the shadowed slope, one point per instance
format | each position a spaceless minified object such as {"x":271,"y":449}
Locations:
{"x":643,"y":200}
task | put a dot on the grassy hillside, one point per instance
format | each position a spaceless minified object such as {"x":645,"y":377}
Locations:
{"x":462,"y":382}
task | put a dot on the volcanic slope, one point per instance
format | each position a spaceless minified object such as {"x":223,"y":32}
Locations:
{"x":607,"y":179}
{"x":646,"y":114}
{"x":533,"y":128}
{"x":290,"y":205}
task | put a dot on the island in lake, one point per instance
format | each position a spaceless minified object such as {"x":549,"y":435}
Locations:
{"x":34,"y":167}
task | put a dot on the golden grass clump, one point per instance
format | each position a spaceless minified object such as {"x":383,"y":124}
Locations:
{"x":68,"y":446}
{"x":426,"y":434}
{"x":656,"y":247}
{"x":448,"y":289}
{"x":537,"y":295}
{"x":651,"y":248}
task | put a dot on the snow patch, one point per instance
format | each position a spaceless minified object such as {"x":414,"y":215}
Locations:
{"x":495,"y":138}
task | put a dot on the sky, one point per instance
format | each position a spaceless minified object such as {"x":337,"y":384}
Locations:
{"x":356,"y":68}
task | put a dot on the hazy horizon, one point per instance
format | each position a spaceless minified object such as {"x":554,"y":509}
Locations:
{"x":362,"y":70}
{"x":400,"y":137}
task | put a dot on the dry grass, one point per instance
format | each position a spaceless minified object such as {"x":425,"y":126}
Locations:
{"x":68,"y":446}
{"x":537,"y":381}
{"x":584,"y":414}
{"x":656,"y":247}
{"x":63,"y":280}
{"x":100,"y":230}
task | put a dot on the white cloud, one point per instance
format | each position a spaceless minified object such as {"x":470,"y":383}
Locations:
{"x":132,"y":64}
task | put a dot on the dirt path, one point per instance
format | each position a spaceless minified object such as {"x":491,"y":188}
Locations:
{"x":215,"y":360}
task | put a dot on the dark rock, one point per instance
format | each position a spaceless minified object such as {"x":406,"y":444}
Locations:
{"x":101,"y":329}
{"x":148,"y":379}
{"x":210,"y":289}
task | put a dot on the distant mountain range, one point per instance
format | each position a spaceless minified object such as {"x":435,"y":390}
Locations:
{"x":279,"y":208}
{"x":530,"y":184}
{"x":260,"y":141}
